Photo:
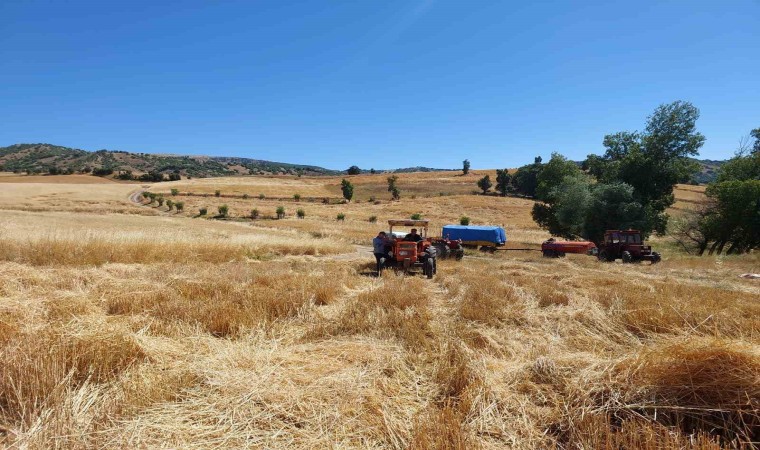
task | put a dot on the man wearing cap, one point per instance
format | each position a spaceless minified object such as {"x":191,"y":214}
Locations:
{"x":378,"y":244}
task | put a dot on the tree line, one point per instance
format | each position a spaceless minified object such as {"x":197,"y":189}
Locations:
{"x":631,"y":186}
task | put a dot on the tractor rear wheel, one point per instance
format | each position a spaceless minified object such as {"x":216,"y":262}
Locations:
{"x":656,"y":258}
{"x":442,"y":249}
{"x":604,"y":256}
{"x":627,"y":258}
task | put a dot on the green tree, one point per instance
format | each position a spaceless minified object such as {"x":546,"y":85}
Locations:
{"x":175,"y":192}
{"x":464,"y":220}
{"x":503,"y":181}
{"x":553,"y":174}
{"x":340,"y":217}
{"x":224,"y":210}
{"x":392,"y":188}
{"x":170,"y":204}
{"x":485,"y":184}
{"x":732,"y":214}
{"x":579,"y":208}
{"x":653,"y":161}
{"x":280,"y":211}
{"x":179,"y":206}
{"x":347,"y":188}
{"x":300,"y":213}
{"x":525,"y":179}
{"x":465,"y":167}
{"x":354,"y":170}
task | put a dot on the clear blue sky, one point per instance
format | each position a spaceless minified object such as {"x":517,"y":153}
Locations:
{"x":381,"y":83}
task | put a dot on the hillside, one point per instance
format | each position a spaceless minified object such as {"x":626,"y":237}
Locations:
{"x":48,"y":158}
{"x":708,"y":171}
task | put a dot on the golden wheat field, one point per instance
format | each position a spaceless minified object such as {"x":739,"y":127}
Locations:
{"x":126,"y":325}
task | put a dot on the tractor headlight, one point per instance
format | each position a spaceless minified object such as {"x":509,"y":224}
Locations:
{"x":403,"y":253}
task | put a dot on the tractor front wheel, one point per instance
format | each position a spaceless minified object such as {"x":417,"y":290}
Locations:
{"x":429,"y":267}
{"x":656,"y":258}
{"x":604,"y":256}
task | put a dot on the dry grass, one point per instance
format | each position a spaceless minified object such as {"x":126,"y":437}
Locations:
{"x":163,"y":330}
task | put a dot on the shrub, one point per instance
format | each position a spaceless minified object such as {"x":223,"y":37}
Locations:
{"x":280,"y":212}
{"x":464,"y":220}
{"x":217,"y":193}
{"x":175,"y":192}
{"x":224,"y":210}
{"x":254,"y":213}
{"x":372,"y":198}
{"x":245,"y":196}
{"x":179,"y":206}
{"x":341,"y":217}
{"x":297,"y":197}
{"x":261,"y":196}
{"x":416,"y":216}
{"x":202,"y":211}
{"x":347,"y":188}
{"x":170,"y":204}
{"x":372,"y":219}
{"x":160,"y":201}
{"x":300,"y":213}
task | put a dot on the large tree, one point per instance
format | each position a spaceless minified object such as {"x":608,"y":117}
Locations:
{"x":525,"y":179}
{"x":552,"y":174}
{"x":731,"y":216}
{"x":503,"y":180}
{"x":653,"y":161}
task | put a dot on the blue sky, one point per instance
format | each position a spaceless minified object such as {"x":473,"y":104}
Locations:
{"x":382,"y":83}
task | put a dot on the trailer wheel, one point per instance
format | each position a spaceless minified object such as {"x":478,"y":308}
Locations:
{"x":627,"y":258}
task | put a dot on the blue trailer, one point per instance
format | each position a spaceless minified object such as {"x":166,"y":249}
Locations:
{"x":488,"y":238}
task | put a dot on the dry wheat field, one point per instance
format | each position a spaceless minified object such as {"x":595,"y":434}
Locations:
{"x":126,"y":325}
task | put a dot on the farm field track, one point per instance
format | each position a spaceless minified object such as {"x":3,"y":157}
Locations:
{"x":129,"y":325}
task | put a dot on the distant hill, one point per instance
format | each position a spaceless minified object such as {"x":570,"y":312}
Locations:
{"x":48,"y":158}
{"x":708,"y":171}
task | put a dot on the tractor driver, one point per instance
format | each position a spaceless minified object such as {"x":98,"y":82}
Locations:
{"x":413,"y":236}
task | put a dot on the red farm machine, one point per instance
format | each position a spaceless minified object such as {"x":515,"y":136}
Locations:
{"x":557,"y":249}
{"x":626,"y":245}
{"x":409,"y":255}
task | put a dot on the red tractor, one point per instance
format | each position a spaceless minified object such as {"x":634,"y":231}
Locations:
{"x":407,"y":254}
{"x":626,"y":245}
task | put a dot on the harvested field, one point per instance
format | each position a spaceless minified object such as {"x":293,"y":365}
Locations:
{"x":125,"y":325}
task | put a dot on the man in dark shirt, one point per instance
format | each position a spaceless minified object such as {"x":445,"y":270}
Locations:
{"x":413,"y":236}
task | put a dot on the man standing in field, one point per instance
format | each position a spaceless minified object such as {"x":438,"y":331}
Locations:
{"x":378,"y":244}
